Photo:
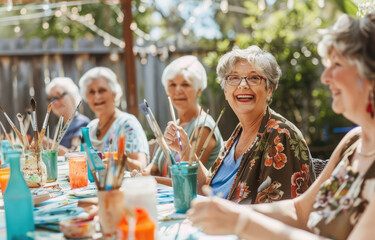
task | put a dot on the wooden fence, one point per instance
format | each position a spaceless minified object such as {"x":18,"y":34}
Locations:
{"x":26,"y":68}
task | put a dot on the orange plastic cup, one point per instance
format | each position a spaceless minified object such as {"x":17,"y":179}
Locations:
{"x":106,"y":155}
{"x":4,"y":178}
{"x":77,"y":169}
{"x":144,"y":228}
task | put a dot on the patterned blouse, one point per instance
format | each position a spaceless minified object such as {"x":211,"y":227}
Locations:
{"x":276,"y":166}
{"x":136,"y":140}
{"x":343,"y":197}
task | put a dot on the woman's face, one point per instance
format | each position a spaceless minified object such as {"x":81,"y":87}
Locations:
{"x":182,"y":93}
{"x":62,"y":98}
{"x":100,"y":97}
{"x":349,"y":94}
{"x":246,"y":99}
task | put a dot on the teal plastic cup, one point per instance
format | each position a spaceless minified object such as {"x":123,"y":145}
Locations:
{"x":50,"y":160}
{"x":5,"y":147}
{"x":184,"y":182}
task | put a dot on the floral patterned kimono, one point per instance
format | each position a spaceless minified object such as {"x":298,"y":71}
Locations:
{"x":343,"y":198}
{"x":276,"y":166}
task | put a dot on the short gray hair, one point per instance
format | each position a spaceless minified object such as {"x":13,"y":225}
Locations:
{"x":354,"y":39}
{"x":101,"y":72}
{"x":68,"y":85}
{"x":190,"y":68}
{"x":264,"y":62}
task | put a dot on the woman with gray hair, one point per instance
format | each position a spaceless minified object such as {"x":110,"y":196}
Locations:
{"x":341,"y":203}
{"x":100,"y":89}
{"x":266,"y":159}
{"x":184,"y":79}
{"x":65,"y":94}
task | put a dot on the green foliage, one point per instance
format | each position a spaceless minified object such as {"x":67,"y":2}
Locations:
{"x":291,"y":36}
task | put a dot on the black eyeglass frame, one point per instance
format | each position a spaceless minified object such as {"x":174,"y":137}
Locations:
{"x":51,"y":99}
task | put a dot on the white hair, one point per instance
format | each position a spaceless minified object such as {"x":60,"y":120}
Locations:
{"x":68,"y":85}
{"x":264,"y":62}
{"x":354,"y":39}
{"x":190,"y":68}
{"x":101,"y":72}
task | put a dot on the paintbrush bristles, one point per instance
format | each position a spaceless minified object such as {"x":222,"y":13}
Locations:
{"x":23,"y":131}
{"x":210,"y":135}
{"x":33,"y":104}
{"x":19,"y":135}
{"x":43,"y":131}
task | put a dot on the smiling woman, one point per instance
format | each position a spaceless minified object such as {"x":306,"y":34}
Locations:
{"x":184,"y":79}
{"x":266,"y":159}
{"x":100,"y":88}
{"x":65,"y":96}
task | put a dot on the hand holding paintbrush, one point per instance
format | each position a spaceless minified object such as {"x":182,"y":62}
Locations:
{"x":174,"y":120}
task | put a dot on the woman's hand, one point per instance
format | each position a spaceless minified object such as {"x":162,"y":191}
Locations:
{"x":172,"y":141}
{"x":215,"y":216}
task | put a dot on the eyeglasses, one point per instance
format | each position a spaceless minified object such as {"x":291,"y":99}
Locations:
{"x":252,"y":80}
{"x":56,"y":98}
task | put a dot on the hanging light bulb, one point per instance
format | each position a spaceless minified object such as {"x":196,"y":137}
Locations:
{"x":46,"y":8}
{"x":10,"y":5}
{"x":224,"y":6}
{"x":261,"y":5}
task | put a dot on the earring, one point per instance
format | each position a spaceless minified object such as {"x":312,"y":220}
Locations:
{"x":370,"y":105}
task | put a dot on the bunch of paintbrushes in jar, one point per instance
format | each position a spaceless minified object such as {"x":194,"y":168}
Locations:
{"x":33,"y":168}
{"x":111,"y":177}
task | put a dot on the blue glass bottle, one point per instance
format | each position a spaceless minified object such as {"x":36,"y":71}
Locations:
{"x":86,"y":137}
{"x":18,"y":202}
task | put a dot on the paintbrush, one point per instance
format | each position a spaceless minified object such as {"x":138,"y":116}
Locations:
{"x":6,"y":135}
{"x":35,"y":124}
{"x":210,"y":135}
{"x":67,"y":125}
{"x":28,"y":119}
{"x":23,"y":131}
{"x":43,"y":131}
{"x":194,"y":140}
{"x":157,"y":132}
{"x":12,"y":125}
{"x":202,"y":128}
{"x":91,"y":164}
{"x":174,"y":120}
{"x":121,"y":140}
{"x":47,"y":137}
{"x":57,"y":131}
{"x":111,"y":168}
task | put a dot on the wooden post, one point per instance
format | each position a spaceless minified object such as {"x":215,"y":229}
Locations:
{"x":129,"y":61}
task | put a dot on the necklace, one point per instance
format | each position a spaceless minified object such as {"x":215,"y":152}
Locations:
{"x":99,"y":129}
{"x":363,"y":154}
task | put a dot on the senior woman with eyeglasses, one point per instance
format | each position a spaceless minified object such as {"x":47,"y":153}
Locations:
{"x":341,"y":203}
{"x":266,"y":159}
{"x":65,"y":96}
{"x":184,"y":79}
{"x":100,"y":88}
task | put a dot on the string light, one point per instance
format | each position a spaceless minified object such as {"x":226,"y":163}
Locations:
{"x":364,"y":7}
{"x":10,"y":5}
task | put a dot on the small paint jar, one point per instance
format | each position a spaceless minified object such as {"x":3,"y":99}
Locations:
{"x":78,"y":228}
